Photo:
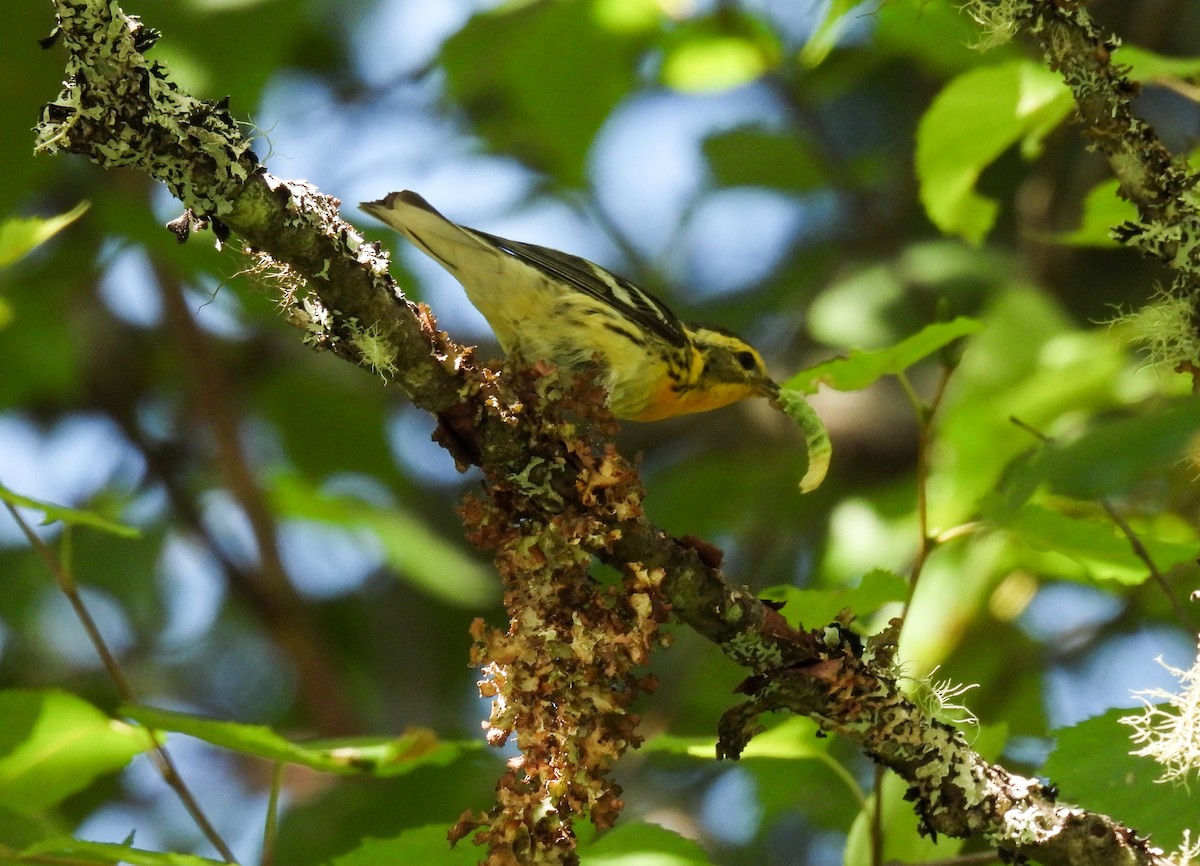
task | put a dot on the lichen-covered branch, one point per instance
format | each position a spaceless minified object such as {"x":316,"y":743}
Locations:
{"x":559,"y":494}
{"x":1165,"y":190}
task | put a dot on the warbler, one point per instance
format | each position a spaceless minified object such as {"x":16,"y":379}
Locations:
{"x":548,"y":305}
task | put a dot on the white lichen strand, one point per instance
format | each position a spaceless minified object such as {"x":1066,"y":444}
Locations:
{"x":317,"y":320}
{"x":119,"y":109}
{"x":1168,"y":728}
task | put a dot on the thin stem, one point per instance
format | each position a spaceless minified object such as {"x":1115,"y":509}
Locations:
{"x":158,"y":754}
{"x":271,"y":829}
{"x":877,"y":819}
{"x":925,"y":416}
{"x":1140,"y":551}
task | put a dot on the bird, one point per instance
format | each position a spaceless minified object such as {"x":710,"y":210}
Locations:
{"x":551,"y":306}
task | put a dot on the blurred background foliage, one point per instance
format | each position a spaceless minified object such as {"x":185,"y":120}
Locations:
{"x":816,"y":176}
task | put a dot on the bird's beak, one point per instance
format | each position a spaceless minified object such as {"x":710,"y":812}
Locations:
{"x":768,"y":388}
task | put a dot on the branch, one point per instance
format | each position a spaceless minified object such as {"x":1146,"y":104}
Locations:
{"x":1165,"y":190}
{"x":556,"y":479}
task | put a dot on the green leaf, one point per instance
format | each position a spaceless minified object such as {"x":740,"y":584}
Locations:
{"x":420,"y":845}
{"x":903,"y":840}
{"x":816,"y":437}
{"x":642,"y":844}
{"x":712,"y":63}
{"x":792,"y":766}
{"x":1028,"y":362}
{"x":66,"y":849}
{"x":18,"y":831}
{"x":1092,"y":766}
{"x":518,"y":72}
{"x":1115,"y":455}
{"x":426,"y":559}
{"x":1103,"y":208}
{"x":792,"y":738}
{"x":74,"y":516}
{"x":863,"y":367}
{"x":376,"y":756}
{"x":817,"y":607}
{"x":1096,"y":547}
{"x":53,"y":744}
{"x":826,"y":35}
{"x":976,"y":118}
{"x":937,"y":37}
{"x":757,"y":157}
{"x":21,"y":235}
{"x":1147,"y":65}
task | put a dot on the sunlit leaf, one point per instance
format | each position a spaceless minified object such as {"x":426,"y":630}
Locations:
{"x":792,"y":738}
{"x":813,"y":608}
{"x":376,"y":756}
{"x":826,"y":35}
{"x":1103,"y":209}
{"x":719,"y":53}
{"x":74,"y":516}
{"x":425,"y":845}
{"x":628,"y":16}
{"x":975,"y":118}
{"x":1146,"y":65}
{"x":68,"y":850}
{"x":643,"y":844}
{"x":1092,"y":766}
{"x":713,"y":63}
{"x":53,"y":744}
{"x":20,"y":235}
{"x":1097,"y":546}
{"x":863,"y":367}
{"x":1028,"y":362}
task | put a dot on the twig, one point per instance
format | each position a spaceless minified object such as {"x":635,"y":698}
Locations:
{"x":877,"y":819}
{"x":1140,"y":551}
{"x":159,"y":754}
{"x":271,"y":827}
{"x":925,"y":416}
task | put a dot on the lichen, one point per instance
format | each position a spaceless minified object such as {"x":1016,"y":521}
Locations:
{"x":376,"y":352}
{"x":120,"y":109}
{"x":1168,"y":728}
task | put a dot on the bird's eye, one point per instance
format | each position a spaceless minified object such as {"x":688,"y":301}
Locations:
{"x":747,"y":360}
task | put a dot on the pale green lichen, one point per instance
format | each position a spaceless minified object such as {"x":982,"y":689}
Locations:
{"x":1165,"y":329}
{"x":375,"y":351}
{"x":121,"y":109}
{"x":999,"y":21}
